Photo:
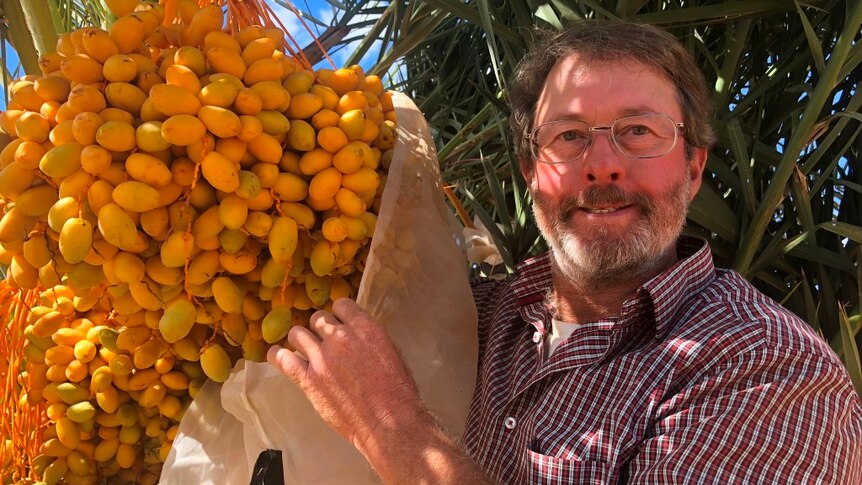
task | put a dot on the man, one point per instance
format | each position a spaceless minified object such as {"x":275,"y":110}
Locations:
{"x":622,"y":355}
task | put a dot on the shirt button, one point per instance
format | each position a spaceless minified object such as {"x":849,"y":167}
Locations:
{"x":509,"y":422}
{"x":537,"y":337}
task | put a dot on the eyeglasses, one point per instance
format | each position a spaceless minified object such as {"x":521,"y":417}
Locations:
{"x":638,"y":136}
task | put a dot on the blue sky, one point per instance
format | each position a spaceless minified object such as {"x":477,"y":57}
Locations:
{"x":320,"y":9}
{"x":11,"y":62}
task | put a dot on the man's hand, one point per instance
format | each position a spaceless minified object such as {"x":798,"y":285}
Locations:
{"x":351,"y":373}
{"x":356,"y":381}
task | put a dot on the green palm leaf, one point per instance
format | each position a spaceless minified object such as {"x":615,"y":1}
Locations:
{"x":782,"y":195}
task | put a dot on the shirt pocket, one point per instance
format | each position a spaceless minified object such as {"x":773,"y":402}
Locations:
{"x":544,"y":469}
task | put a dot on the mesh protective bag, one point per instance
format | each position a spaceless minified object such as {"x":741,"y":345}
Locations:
{"x":415,"y":284}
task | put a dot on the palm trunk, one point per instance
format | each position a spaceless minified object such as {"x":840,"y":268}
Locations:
{"x":20,"y":36}
{"x":41,"y":25}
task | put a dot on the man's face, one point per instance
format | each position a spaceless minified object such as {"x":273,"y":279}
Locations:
{"x":605,"y":215}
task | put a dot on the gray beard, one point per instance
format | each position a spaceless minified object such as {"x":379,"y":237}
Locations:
{"x":606,"y":258}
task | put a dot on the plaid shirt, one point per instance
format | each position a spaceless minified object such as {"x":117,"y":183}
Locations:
{"x":700,"y":379}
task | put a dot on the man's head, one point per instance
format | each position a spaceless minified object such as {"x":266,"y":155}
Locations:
{"x":609,"y":41}
{"x":609,"y":203}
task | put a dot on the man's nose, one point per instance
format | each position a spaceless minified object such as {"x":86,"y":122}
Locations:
{"x":602,"y":163}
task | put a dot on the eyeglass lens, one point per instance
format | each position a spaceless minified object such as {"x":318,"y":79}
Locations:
{"x":641,"y":136}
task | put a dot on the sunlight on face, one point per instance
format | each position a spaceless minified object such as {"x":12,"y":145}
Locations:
{"x":604,"y":215}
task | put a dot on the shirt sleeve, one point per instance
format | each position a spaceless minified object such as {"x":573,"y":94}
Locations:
{"x":485,"y":295}
{"x":762,"y":417}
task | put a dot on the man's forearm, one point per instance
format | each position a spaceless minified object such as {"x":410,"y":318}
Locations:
{"x":416,"y":450}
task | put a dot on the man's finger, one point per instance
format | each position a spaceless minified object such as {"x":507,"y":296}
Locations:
{"x":306,"y":342}
{"x":324,"y":324}
{"x":348,"y":311}
{"x":288,"y":363}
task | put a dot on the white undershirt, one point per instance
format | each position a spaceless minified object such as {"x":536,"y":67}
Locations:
{"x":559,"y":332}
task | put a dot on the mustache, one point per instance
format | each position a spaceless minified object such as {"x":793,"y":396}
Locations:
{"x":610,"y":195}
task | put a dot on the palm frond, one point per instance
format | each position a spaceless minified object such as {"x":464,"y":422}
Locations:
{"x":782,"y":196}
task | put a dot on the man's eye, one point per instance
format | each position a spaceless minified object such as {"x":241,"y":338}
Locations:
{"x":638,"y":130}
{"x":570,"y":136}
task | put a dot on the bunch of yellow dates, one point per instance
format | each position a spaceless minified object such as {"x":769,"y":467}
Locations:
{"x":181,"y":196}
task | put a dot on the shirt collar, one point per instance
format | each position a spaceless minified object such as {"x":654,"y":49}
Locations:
{"x":666,"y":292}
{"x":533,"y":279}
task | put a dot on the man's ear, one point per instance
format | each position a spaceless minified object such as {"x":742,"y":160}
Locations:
{"x":696,"y":166}
{"x":526,"y":170}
